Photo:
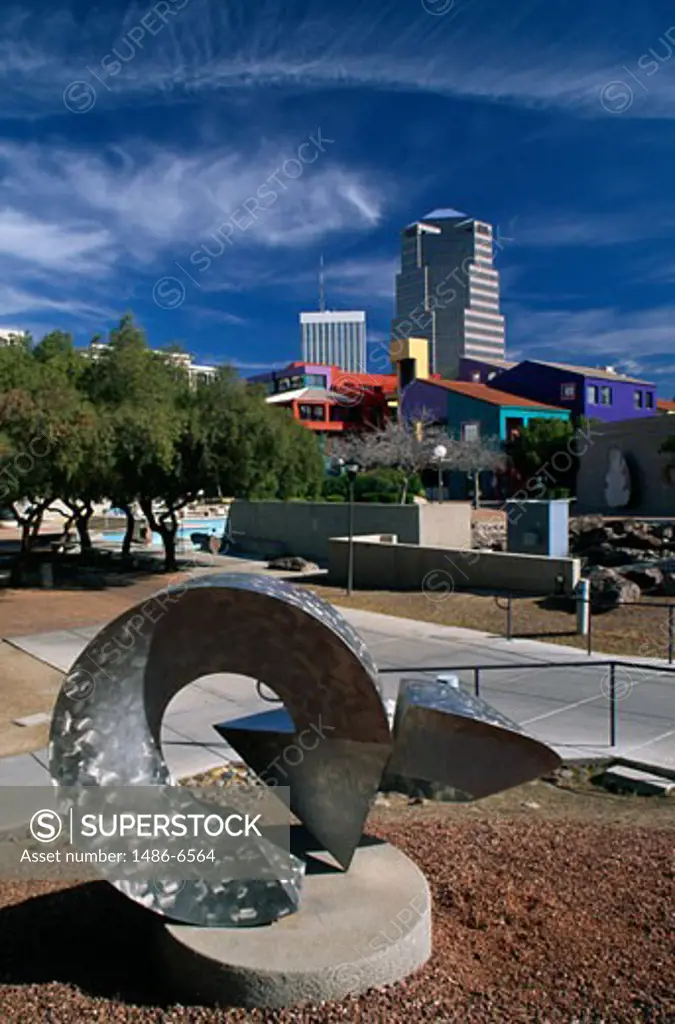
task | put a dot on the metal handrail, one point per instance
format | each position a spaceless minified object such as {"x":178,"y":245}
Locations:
{"x":594,"y":604}
{"x":611,"y":663}
{"x":599,"y":663}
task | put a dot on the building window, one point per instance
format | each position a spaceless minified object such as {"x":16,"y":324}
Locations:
{"x":592,"y":394}
{"x":638,"y":399}
{"x":311,"y":412}
{"x":284,"y":383}
{"x":568,"y":392}
{"x":649,"y":400}
{"x":605,"y":395}
{"x":470,"y":431}
{"x":316,"y":380}
{"x":492,"y":374}
{"x":476,"y":377}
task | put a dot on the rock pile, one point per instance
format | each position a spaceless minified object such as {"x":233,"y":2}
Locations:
{"x":293,"y":563}
{"x":624,"y":557}
{"x":489,"y":534}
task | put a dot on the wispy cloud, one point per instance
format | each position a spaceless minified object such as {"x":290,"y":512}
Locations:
{"x":596,"y":229}
{"x":21,"y":300}
{"x":370,"y":280}
{"x":72,"y":214}
{"x":478,"y":51}
{"x":599,"y":336}
{"x":49,"y":244}
{"x":150,"y":199}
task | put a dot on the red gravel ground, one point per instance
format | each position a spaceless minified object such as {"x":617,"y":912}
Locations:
{"x":534,"y":921}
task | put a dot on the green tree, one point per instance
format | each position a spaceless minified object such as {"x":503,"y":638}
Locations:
{"x":136,"y":392}
{"x":80,"y":463}
{"x":533,"y":454}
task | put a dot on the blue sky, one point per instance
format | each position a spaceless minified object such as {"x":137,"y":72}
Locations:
{"x":133,"y":136}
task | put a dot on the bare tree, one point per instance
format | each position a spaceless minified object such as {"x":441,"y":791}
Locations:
{"x":474,"y":457}
{"x":397,"y":445}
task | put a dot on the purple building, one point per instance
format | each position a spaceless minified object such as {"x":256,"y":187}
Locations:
{"x":294,"y":376}
{"x":482,"y":371}
{"x":594,"y":392}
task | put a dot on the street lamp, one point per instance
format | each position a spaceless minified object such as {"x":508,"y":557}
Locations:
{"x":351,"y":468}
{"x":440,"y":453}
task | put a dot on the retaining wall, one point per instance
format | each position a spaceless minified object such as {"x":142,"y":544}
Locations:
{"x":441,"y":570}
{"x":272,"y":528}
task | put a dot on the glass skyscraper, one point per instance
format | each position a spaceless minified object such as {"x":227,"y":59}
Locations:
{"x":336,"y":338}
{"x":448,"y":290}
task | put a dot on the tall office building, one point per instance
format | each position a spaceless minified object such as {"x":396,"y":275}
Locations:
{"x":336,"y":338}
{"x":448,"y":290}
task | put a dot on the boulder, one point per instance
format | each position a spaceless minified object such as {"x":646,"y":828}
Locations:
{"x":638,"y":538}
{"x":646,"y":577}
{"x":605,"y":554}
{"x":582,"y":524}
{"x":592,"y":538}
{"x":293,"y":563}
{"x":609,"y":588}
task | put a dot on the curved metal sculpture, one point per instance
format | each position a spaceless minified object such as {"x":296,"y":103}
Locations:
{"x":106,"y":724}
{"x":106,"y":730}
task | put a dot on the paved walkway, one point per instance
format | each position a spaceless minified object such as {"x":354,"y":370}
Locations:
{"x":567,"y":707}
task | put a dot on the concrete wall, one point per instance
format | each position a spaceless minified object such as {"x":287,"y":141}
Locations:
{"x":653,"y":490}
{"x":441,"y":570}
{"x":444,"y":525}
{"x":270,"y":528}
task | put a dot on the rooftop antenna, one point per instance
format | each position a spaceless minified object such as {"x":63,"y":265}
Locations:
{"x":322,"y":287}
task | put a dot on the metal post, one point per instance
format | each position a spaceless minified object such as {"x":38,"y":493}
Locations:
{"x":350,"y":548}
{"x":440,"y":483}
{"x":612,"y":705}
{"x":589,"y":644}
{"x":509,"y":612}
{"x":671,"y":614}
{"x":476,"y":681}
{"x":583,"y":605}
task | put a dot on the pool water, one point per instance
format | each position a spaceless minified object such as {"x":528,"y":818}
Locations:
{"x":203,"y":524}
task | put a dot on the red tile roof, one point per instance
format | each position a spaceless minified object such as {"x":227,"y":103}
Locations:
{"x":665,"y":404}
{"x":493,"y":396}
{"x":346,"y":378}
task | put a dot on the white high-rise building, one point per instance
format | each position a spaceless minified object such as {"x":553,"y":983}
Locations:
{"x":336,"y":338}
{"x":11,"y":336}
{"x":448,"y":290}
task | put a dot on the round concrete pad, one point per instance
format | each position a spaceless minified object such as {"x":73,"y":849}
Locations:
{"x":355,"y":930}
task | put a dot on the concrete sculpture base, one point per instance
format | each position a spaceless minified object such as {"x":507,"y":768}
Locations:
{"x":367,"y":927}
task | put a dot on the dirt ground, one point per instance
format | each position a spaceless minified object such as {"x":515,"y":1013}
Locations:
{"x":636,"y":631}
{"x":639,"y":630}
{"x":546,"y":909}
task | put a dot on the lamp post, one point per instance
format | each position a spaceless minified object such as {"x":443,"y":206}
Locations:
{"x":351,"y":469}
{"x":440,"y":453}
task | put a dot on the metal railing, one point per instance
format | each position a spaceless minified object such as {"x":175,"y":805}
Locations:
{"x":611,"y":664}
{"x":505,"y":603}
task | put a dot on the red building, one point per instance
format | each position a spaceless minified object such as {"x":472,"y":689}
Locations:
{"x":344,"y":401}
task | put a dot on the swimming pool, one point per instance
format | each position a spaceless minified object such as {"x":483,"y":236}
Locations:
{"x":202,"y":524}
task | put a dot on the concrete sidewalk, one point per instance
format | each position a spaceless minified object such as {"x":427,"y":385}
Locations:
{"x":567,"y":707}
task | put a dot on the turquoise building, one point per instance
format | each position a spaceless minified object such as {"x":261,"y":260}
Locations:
{"x":470,"y":410}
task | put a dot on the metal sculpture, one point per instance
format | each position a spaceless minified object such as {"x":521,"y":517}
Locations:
{"x":107,"y":721}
